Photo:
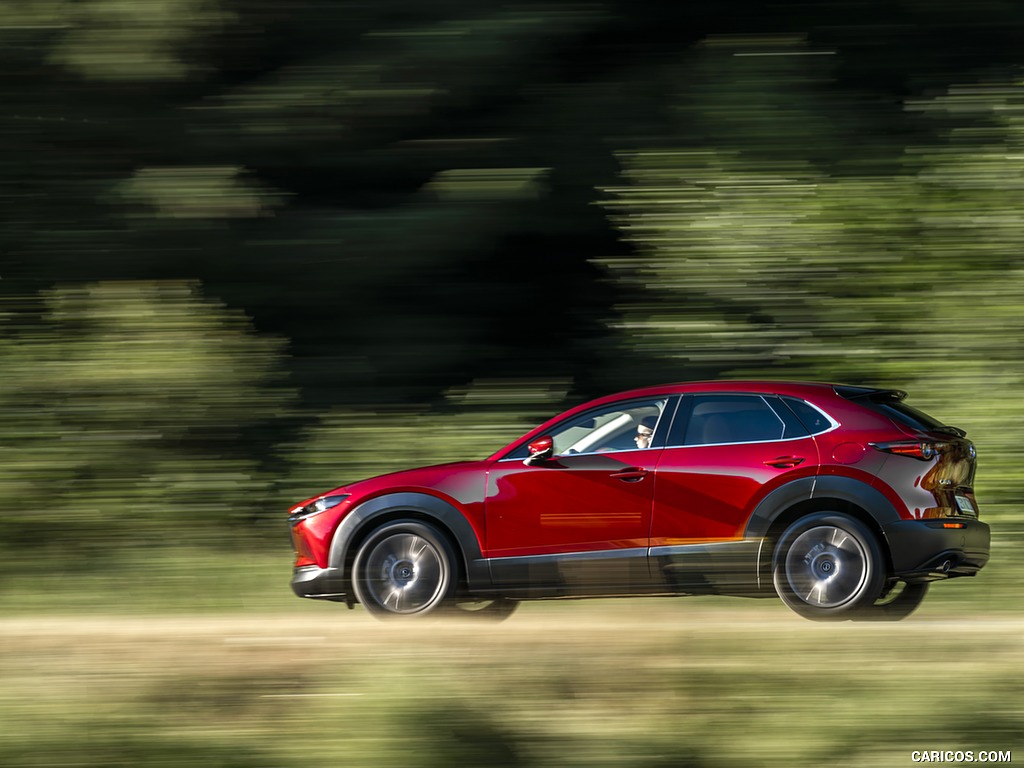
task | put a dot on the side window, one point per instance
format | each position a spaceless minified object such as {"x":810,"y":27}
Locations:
{"x":793,"y":426}
{"x":612,"y":428}
{"x":814,"y":420}
{"x":624,"y":426}
{"x":723,"y":419}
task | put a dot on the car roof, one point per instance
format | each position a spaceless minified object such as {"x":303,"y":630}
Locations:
{"x":759,"y":386}
{"x":800,"y":389}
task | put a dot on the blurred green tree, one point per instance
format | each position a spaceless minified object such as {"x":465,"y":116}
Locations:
{"x":471,"y":423}
{"x":129,"y":408}
{"x":405,"y":192}
{"x":775,"y":266}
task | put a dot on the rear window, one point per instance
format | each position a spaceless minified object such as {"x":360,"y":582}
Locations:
{"x":902,"y":413}
{"x":890,"y":403}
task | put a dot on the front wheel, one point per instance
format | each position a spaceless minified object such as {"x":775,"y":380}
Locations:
{"x":404,"y":568}
{"x":827,"y":566}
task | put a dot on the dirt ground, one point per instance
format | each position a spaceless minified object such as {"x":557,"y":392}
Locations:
{"x":617,"y":682}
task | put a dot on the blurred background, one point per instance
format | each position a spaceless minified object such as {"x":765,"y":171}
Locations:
{"x":250,"y":251}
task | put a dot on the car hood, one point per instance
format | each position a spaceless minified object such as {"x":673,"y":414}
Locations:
{"x":444,"y":478}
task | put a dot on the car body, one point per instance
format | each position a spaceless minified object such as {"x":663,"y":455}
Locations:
{"x":843,"y":501}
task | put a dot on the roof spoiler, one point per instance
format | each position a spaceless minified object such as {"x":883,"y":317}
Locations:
{"x":854,"y":393}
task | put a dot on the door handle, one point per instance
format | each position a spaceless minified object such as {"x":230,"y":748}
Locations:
{"x":782,"y":462}
{"x":631,"y":475}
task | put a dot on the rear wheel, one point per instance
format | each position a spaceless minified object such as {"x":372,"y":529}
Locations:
{"x":404,"y":568}
{"x":827,"y":566}
{"x":896,"y":603}
{"x":495,"y":610}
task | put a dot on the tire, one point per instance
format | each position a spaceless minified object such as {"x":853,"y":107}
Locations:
{"x":894,"y":604}
{"x":404,"y":568}
{"x":492,"y":610}
{"x":827,"y":567}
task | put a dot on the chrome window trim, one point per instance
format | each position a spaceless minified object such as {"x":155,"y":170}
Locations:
{"x":680,"y":398}
{"x":593,"y":453}
{"x":776,"y":415}
{"x":746,"y":442}
{"x":835,"y":424}
{"x":668,"y":398}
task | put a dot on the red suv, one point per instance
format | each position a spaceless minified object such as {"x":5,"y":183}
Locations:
{"x":841,"y":500}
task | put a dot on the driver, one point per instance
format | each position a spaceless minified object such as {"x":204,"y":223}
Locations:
{"x":645,"y":431}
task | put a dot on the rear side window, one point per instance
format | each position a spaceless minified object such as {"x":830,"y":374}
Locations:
{"x":724,"y":419}
{"x":814,"y":420}
{"x":793,"y":426}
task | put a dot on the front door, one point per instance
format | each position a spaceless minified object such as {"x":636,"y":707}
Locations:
{"x":584,"y":515}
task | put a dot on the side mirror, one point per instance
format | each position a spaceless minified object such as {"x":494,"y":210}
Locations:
{"x":540,"y":449}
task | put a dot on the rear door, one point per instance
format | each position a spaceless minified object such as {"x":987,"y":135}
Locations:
{"x":724,"y":454}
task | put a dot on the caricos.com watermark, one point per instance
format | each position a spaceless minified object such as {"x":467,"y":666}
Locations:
{"x":960,"y":756}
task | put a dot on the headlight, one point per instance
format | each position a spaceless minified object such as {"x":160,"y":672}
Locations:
{"x":315,"y":507}
{"x":324,"y":503}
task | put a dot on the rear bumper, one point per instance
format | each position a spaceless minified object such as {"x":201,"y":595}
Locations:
{"x":924,"y":550}
{"x":319,"y":583}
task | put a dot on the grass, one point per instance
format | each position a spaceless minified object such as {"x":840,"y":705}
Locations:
{"x":603,"y":683}
{"x":183,"y":656}
{"x":255,"y":577}
{"x":131,"y":581}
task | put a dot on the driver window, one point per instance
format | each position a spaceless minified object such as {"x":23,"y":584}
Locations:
{"x":612,"y":428}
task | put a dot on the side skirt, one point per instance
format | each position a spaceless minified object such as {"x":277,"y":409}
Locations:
{"x":726,"y":568}
{"x":714,"y":568}
{"x":584,"y":574}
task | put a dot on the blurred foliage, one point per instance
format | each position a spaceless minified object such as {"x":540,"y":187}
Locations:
{"x":595,"y":684}
{"x":132,"y":408}
{"x":135,"y":41}
{"x":250,"y":250}
{"x":768,"y":266}
{"x":471,"y":424}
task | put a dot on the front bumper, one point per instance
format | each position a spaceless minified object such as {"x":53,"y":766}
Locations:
{"x":319,"y":583}
{"x":925,"y":550}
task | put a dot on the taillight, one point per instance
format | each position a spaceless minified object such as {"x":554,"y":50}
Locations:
{"x":924,"y":451}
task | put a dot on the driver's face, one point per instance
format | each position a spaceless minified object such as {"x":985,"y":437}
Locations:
{"x":643,"y":437}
